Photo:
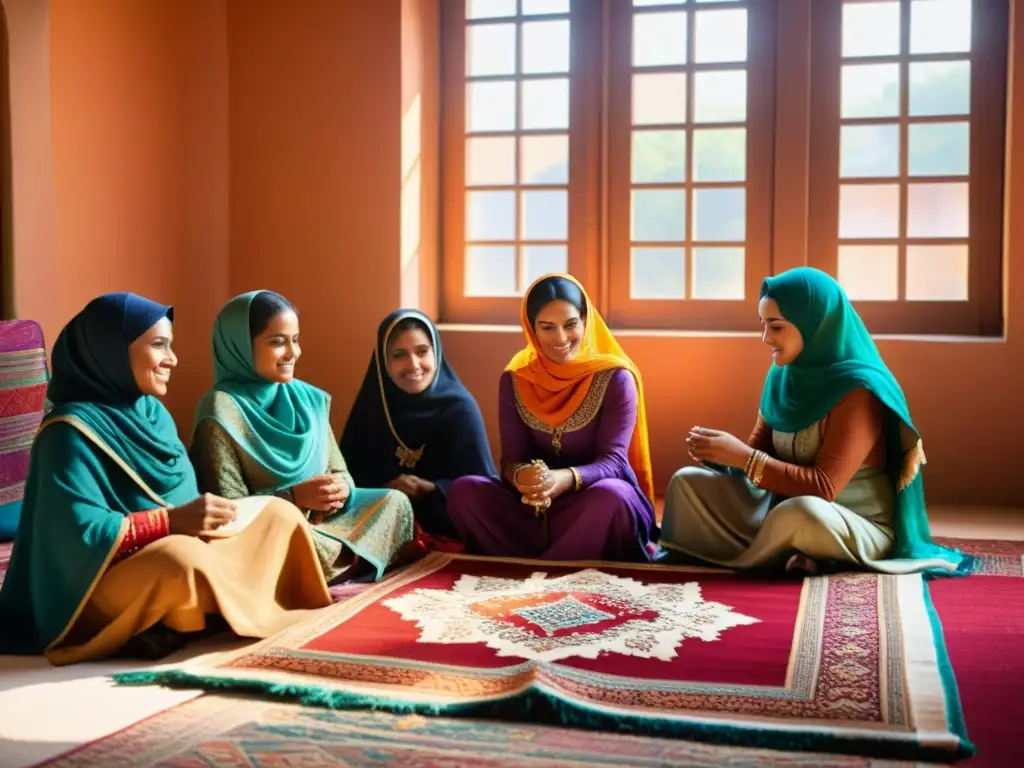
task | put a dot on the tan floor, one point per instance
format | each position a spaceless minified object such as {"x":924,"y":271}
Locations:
{"x":46,"y":710}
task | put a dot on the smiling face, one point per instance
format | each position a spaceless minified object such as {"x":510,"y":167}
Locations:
{"x":276,"y":350}
{"x":410,"y":360}
{"x":778,"y":333}
{"x":559,"y":327}
{"x":152,"y":359}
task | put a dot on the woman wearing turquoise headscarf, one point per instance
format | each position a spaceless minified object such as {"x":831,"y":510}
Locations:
{"x":831,"y":473}
{"x":116,"y":550}
{"x":262,"y":431}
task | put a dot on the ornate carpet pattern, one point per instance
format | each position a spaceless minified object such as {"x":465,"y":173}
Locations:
{"x":846,"y":663}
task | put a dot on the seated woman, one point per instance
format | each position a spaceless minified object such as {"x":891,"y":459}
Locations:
{"x":262,"y":431}
{"x":414,"y":427}
{"x":114,"y":549}
{"x":831,"y":472}
{"x":574,"y":453}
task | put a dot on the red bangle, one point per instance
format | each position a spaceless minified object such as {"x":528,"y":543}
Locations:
{"x":143,"y":528}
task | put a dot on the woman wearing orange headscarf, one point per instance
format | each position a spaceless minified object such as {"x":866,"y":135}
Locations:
{"x":575,"y":463}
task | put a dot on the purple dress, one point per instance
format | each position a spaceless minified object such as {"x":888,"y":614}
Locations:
{"x":610,"y":518}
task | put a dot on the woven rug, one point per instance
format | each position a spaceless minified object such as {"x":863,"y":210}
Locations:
{"x":847,"y":663}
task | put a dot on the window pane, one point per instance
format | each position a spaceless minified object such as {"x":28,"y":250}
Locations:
{"x":491,"y":215}
{"x":540,"y":260}
{"x":937,"y":210}
{"x":869,"y":150}
{"x":720,"y":214}
{"x":545,"y":215}
{"x":940,"y":26}
{"x":490,"y":106}
{"x":719,"y":273}
{"x":544,"y":159}
{"x":490,"y":160}
{"x":937,"y":272}
{"x":870,"y":272}
{"x":658,"y":273}
{"x":871,"y":29}
{"x":720,"y":154}
{"x":490,"y":270}
{"x":870,"y":90}
{"x":491,"y":49}
{"x":546,"y":46}
{"x":869,"y":210}
{"x":659,"y":215}
{"x":940,"y":88}
{"x":939,"y":149}
{"x":659,"y":156}
{"x":532,"y":7}
{"x":721,"y":36}
{"x":659,"y":98}
{"x":659,"y":39}
{"x":490,"y":9}
{"x":545,"y":104}
{"x":720,"y":97}
{"x":646,"y":3}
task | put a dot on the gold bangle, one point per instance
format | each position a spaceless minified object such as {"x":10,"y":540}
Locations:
{"x":750,"y":463}
{"x":515,"y":474}
{"x":577,"y":479}
{"x":757,"y":471}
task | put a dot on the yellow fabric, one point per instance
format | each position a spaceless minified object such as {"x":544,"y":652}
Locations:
{"x":554,"y":391}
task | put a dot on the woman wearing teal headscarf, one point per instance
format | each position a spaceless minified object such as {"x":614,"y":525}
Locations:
{"x":831,"y":473}
{"x":113,"y":549}
{"x":262,"y":431}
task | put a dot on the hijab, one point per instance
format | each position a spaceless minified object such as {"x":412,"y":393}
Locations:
{"x":554,"y":391}
{"x":282,"y":427}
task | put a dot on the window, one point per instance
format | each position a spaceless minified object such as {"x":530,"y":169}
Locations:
{"x":649,"y":148}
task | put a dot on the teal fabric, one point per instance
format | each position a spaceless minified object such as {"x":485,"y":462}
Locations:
{"x":284,"y":426}
{"x":839,"y":356}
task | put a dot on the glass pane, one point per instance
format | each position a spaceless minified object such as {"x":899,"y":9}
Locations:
{"x":870,"y":272}
{"x":720,"y":97}
{"x":545,"y":104}
{"x":490,"y":160}
{"x":533,"y":7}
{"x":871,"y":29}
{"x":658,"y":215}
{"x":938,"y":210}
{"x":546,"y":46}
{"x":659,"y":39}
{"x":937,"y":272}
{"x":540,"y":260}
{"x":940,"y":26}
{"x":490,"y":107}
{"x":870,"y":90}
{"x":659,"y":98}
{"x":721,"y":36}
{"x":719,"y":273}
{"x":490,"y":9}
{"x":940,"y":88}
{"x":490,"y":270}
{"x":658,"y":273}
{"x":659,"y":156}
{"x":545,"y":215}
{"x":544,"y":159}
{"x":869,"y":150}
{"x":939,"y":149}
{"x":720,"y":214}
{"x":491,"y":49}
{"x":491,"y":215}
{"x":720,"y":154}
{"x":869,"y":210}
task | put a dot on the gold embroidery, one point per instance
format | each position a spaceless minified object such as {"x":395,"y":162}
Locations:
{"x":585,"y":414}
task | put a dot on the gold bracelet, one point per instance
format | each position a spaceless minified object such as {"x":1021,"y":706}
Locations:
{"x":750,"y":462}
{"x":515,"y":474}
{"x":577,"y":478}
{"x":757,"y":471}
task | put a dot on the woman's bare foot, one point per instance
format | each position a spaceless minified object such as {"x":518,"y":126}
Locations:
{"x":801,"y":562}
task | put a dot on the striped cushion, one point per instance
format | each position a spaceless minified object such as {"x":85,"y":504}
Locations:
{"x":23,"y":379}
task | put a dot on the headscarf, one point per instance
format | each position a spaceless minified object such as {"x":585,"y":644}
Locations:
{"x":839,"y":356}
{"x":282,"y":427}
{"x":554,"y":391}
{"x":444,"y":420}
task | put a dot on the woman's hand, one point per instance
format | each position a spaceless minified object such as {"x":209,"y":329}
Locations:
{"x":547,"y":483}
{"x":323,"y":493}
{"x":717,"y":447}
{"x":412,"y":486}
{"x":201,"y":516}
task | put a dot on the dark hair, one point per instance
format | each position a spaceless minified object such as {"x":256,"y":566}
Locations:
{"x":264,"y":307}
{"x":407,"y":324}
{"x":554,"y":288}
